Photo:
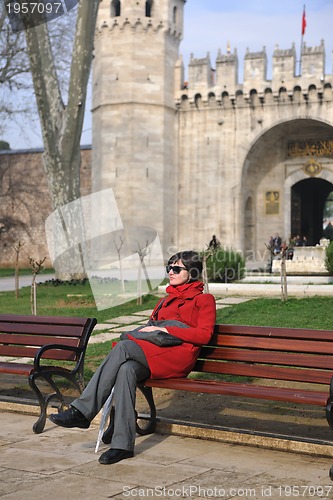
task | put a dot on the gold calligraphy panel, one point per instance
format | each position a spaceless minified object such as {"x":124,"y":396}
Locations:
{"x":310,"y":148}
{"x":272,"y":202}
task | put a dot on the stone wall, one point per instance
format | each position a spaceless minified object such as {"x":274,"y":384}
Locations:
{"x":25,"y":204}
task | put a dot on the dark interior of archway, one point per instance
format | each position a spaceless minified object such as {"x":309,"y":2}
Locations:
{"x":308,"y":198}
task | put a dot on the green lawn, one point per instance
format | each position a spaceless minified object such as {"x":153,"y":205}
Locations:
{"x":312,"y":312}
{"x":68,"y":300}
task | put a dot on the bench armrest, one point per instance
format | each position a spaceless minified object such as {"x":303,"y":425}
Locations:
{"x":39,"y":354}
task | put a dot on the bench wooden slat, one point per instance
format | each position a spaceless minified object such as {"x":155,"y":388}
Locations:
{"x":16,"y":368}
{"x":41,"y":329}
{"x":278,"y":344}
{"x":265,"y":372}
{"x":239,"y":389}
{"x":25,"y":369}
{"x":46,"y":320}
{"x":271,"y":332}
{"x":30,"y":352}
{"x":34,"y":340}
{"x":292,"y":359}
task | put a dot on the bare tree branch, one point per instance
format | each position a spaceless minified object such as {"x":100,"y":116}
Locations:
{"x":62,"y":123}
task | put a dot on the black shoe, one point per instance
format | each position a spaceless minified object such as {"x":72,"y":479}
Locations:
{"x":112,"y":456}
{"x":70,"y":418}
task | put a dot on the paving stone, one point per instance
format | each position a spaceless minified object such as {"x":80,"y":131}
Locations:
{"x":104,"y":326}
{"x":125,"y":328}
{"x":234,"y":300}
{"x":103,"y":337}
{"x":125,"y":320}
{"x":144,"y":313}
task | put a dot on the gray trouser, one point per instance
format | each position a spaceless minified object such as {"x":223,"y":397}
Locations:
{"x":124,"y":366}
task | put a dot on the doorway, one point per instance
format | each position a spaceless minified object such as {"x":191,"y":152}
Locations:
{"x":308,"y":198}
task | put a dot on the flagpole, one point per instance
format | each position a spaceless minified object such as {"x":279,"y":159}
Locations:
{"x":303,"y":31}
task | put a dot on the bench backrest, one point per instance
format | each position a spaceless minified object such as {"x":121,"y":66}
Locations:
{"x":293,"y":354}
{"x":22,"y":335}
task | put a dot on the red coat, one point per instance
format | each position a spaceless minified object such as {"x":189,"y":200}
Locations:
{"x":185,"y":303}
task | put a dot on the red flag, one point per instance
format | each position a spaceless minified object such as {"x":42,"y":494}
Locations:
{"x":303,"y":22}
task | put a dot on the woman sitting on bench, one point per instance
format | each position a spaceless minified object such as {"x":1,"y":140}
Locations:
{"x":188,"y":315}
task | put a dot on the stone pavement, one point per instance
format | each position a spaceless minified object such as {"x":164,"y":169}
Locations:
{"x":62,"y":464}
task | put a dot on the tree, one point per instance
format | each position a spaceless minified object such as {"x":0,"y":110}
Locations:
{"x":118,"y":243}
{"x":61,"y":122}
{"x":17,"y":247}
{"x":37,"y":267}
{"x":283,"y":254}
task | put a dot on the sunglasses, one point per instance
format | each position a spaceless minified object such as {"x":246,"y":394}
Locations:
{"x":175,"y":269}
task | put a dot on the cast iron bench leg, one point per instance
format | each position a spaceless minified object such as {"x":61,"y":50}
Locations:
{"x":43,"y":401}
{"x":57,"y":396}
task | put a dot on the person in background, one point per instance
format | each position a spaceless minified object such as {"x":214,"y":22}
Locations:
{"x":191,"y":315}
{"x":214,"y":243}
{"x":277,"y":241}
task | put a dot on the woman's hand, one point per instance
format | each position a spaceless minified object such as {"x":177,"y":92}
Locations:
{"x":153,"y":329}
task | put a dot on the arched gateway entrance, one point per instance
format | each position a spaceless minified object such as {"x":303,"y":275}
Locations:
{"x":282,"y":191}
{"x":308,"y":198}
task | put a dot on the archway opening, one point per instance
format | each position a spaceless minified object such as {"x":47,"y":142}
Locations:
{"x":249,"y":225}
{"x":308,"y":199}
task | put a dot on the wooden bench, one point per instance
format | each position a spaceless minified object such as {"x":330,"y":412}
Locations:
{"x":288,"y":355}
{"x":40,"y":339}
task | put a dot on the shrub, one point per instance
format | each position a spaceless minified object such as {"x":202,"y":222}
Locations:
{"x":329,"y":258}
{"x":225,"y":266}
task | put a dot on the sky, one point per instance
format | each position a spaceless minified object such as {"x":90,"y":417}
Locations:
{"x":211,"y":25}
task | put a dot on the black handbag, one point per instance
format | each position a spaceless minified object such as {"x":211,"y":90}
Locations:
{"x":157,"y":337}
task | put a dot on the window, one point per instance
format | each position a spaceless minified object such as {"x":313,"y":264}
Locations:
{"x":174,"y":15}
{"x":149,"y":8}
{"x":115,"y":8}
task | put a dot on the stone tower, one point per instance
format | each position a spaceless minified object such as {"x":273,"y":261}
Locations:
{"x":135,"y":71}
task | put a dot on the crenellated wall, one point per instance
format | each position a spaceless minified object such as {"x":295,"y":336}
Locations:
{"x":287,"y":73}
